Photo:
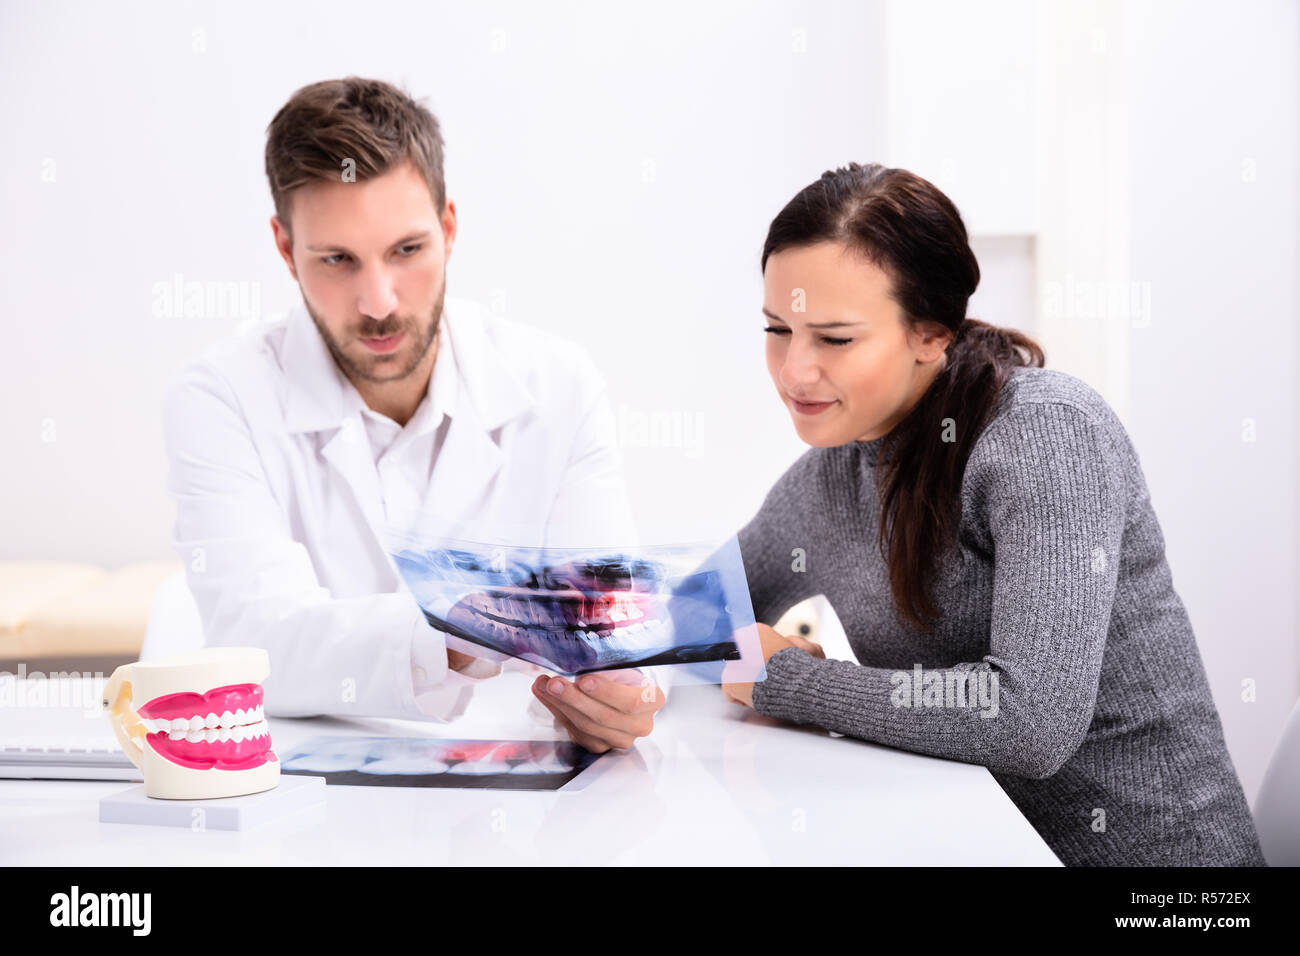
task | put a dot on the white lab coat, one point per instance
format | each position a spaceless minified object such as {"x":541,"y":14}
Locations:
{"x":282,"y":527}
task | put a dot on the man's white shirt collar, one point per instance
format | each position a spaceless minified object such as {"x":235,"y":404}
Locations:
{"x":439,"y":398}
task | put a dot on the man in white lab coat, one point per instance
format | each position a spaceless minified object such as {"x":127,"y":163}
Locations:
{"x":294,"y":449}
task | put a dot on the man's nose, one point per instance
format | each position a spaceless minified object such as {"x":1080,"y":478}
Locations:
{"x":377,"y":296}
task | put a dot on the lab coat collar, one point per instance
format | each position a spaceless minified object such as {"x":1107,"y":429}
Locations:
{"x":487,"y":395}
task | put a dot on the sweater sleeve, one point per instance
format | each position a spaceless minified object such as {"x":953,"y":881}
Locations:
{"x":774,"y":547}
{"x":1051,"y":489}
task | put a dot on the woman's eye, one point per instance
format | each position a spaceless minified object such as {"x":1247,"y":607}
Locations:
{"x":773,"y":330}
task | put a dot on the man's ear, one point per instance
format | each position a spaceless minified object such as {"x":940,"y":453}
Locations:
{"x":283,"y":244}
{"x":449,"y":227}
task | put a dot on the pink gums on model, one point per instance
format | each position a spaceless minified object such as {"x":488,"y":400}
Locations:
{"x":231,"y":754}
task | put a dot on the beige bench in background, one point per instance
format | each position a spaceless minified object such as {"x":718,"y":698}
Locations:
{"x":57,"y":615}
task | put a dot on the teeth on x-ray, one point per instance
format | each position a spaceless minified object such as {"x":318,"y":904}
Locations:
{"x":574,"y":611}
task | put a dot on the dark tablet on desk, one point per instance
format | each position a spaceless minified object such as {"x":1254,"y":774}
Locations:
{"x":429,"y":762}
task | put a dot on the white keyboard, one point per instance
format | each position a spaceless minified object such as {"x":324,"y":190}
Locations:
{"x":61,"y":736}
{"x":65,"y":758}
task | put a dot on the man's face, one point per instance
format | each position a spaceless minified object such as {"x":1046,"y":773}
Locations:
{"x":370,"y":259}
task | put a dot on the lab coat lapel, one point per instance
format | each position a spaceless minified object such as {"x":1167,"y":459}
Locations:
{"x":315,"y":401}
{"x":349,"y":454}
{"x":488,"y":395}
{"x":463,"y":474}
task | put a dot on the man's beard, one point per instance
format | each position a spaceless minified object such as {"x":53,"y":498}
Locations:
{"x":366,"y":371}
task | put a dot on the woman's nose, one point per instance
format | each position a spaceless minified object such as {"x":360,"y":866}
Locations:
{"x":799,"y":369}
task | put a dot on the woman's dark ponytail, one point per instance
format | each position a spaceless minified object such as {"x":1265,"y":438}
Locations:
{"x":909,"y":227}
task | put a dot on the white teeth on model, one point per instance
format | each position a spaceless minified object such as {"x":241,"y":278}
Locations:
{"x":181,"y":726}
{"x":223,"y":734}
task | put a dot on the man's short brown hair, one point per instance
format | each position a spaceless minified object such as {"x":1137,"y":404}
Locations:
{"x":370,"y":122}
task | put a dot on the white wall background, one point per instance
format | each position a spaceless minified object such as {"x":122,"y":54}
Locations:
{"x":1214,"y":103}
{"x":615,"y":167}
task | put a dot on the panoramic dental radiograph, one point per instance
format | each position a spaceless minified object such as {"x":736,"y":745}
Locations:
{"x":575,"y":611}
{"x":194,"y":724}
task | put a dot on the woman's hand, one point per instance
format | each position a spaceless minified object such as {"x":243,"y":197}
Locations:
{"x":771,"y":642}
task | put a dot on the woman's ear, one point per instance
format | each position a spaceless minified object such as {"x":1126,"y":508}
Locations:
{"x":933,"y":339}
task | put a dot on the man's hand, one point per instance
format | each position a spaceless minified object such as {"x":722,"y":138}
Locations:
{"x":461,"y":662}
{"x":771,"y":642}
{"x":602,"y":712}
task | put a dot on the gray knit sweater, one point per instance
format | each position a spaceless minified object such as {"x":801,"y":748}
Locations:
{"x":1064,"y":660}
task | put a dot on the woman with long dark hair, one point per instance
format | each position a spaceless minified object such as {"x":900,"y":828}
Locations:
{"x":982,"y":528}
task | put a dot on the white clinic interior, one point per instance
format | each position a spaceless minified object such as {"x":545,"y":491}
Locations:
{"x":1127,"y":171}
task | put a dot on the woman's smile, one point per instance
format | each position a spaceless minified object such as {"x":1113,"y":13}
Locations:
{"x":810,"y":408}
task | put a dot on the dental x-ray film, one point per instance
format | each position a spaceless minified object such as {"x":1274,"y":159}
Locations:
{"x":427,"y":762}
{"x":579,"y":610}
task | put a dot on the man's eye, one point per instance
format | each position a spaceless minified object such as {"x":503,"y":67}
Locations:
{"x":414,"y":247}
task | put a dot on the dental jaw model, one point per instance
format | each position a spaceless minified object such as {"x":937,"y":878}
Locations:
{"x":194,"y":724}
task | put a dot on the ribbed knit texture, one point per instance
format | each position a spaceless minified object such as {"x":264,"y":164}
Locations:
{"x":1105,"y":735}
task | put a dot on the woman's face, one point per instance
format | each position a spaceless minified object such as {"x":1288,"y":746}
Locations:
{"x":838,"y":349}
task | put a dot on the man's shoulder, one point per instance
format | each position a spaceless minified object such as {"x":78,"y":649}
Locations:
{"x":243,"y":362}
{"x":547,"y":362}
{"x":527,"y":346}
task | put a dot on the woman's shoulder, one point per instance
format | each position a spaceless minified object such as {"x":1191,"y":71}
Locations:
{"x":805,"y":472}
{"x":1046,"y":420}
{"x":809,"y":482}
{"x":1050,"y":395}
{"x":1029,"y":385}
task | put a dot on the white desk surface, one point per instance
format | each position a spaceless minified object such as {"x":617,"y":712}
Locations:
{"x":714,"y":783}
